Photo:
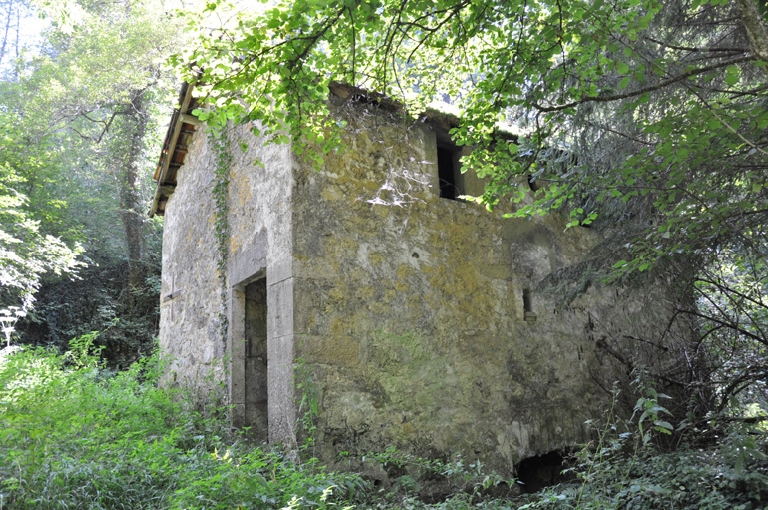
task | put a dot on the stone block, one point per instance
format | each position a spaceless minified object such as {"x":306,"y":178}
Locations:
{"x":280,"y":308}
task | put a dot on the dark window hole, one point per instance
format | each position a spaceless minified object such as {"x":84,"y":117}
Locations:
{"x":527,"y":305}
{"x":447,"y":172}
{"x":366,"y":99}
{"x":534,"y":183}
{"x":528,"y":313}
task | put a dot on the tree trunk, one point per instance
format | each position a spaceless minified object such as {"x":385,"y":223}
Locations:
{"x":6,"y":30}
{"x":755,"y":25}
{"x":129,"y":181}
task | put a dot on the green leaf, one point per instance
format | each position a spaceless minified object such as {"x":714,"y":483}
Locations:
{"x":732,"y":75}
{"x":624,"y":83}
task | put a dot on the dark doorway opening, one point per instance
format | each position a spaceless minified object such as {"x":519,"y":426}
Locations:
{"x":256,"y":393}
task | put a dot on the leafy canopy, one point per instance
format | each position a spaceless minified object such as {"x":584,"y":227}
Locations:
{"x":645,"y":118}
{"x":27,"y":249}
{"x":71,"y":168}
{"x":640,"y":109}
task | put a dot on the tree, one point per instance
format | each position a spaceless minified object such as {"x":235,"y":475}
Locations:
{"x":105,"y":79}
{"x":27,"y":252}
{"x":86,"y":114}
{"x":645,"y":118}
{"x":29,"y":249}
{"x":12,"y":39}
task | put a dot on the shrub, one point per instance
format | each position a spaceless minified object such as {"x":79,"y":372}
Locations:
{"x":74,"y":435}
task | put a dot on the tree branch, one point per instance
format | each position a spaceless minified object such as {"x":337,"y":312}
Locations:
{"x":695,"y":49}
{"x":652,"y":88}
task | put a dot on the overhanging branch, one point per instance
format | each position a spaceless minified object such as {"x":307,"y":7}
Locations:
{"x":651,"y":88}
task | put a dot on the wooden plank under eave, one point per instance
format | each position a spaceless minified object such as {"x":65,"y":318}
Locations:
{"x":191,"y":120}
{"x":163,"y":173}
{"x":169,"y":145}
{"x":179,"y":129}
{"x":171,"y":176}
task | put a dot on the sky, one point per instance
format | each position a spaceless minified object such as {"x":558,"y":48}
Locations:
{"x":18,"y":20}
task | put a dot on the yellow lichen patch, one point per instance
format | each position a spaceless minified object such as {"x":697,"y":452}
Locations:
{"x":235,"y":243}
{"x":365,"y":293}
{"x":338,"y":327}
{"x":379,"y":307}
{"x":244,"y":196}
{"x":495,"y":271}
{"x":331,"y":193}
{"x":376,"y":258}
{"x":466,"y":280}
{"x":338,"y":293}
{"x":404,"y":271}
{"x":339,"y":350}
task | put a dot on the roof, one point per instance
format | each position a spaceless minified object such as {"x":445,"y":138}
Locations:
{"x":177,"y":140}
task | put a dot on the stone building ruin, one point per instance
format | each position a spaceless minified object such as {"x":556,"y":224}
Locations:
{"x":408,"y":317}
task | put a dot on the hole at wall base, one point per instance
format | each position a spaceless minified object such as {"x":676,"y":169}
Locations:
{"x":534,"y":184}
{"x":540,"y":471}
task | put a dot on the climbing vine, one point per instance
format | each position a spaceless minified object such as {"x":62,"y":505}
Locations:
{"x":221,"y":148}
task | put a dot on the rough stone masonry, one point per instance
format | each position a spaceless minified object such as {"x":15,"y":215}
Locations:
{"x":366,"y":289}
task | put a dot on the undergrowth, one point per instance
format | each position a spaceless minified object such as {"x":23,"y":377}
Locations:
{"x":74,"y":435}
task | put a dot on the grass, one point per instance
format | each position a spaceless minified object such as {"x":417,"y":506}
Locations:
{"x":74,"y":435}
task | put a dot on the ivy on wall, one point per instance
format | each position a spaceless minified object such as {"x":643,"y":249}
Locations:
{"x":221,"y":148}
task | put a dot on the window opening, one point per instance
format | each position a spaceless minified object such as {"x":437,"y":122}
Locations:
{"x":528,"y":313}
{"x":448,"y":171}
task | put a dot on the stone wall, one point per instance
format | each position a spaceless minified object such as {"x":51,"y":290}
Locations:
{"x":260,"y":215}
{"x":258,"y":255}
{"x":416,"y":320}
{"x":411,"y":308}
{"x":190,"y":329}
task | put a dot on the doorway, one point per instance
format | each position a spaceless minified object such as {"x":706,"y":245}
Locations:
{"x":248,"y":350}
{"x":256,"y":395}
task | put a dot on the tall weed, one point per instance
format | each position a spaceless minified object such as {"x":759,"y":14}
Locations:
{"x":74,"y":435}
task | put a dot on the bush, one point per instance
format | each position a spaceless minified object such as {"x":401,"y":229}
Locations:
{"x":74,"y":435}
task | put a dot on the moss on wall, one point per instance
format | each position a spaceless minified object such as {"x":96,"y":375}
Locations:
{"x":405,"y":308}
